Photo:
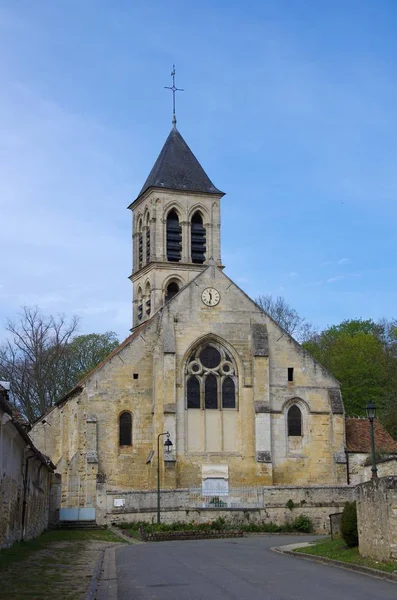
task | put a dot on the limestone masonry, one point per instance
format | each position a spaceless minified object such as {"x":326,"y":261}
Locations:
{"x":244,"y":404}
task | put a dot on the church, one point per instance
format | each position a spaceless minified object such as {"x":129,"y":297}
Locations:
{"x":207,"y":386}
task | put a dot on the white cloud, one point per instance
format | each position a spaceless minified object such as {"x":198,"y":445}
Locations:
{"x":343,"y":261}
{"x":293,"y":274}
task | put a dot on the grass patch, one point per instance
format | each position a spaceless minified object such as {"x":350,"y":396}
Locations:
{"x":22,"y":550}
{"x":337,"y":550}
{"x":59,"y":563}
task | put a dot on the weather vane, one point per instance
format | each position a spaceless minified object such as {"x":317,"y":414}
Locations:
{"x":173,"y":90}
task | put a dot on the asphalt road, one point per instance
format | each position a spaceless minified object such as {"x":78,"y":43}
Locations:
{"x":237,"y":569}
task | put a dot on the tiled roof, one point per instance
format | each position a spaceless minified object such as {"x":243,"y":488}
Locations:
{"x":358,"y":437}
{"x":178,"y":169}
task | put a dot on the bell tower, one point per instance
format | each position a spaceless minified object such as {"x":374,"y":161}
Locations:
{"x":175,"y":227}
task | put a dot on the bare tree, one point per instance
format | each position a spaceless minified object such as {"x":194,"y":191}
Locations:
{"x":33,"y":359}
{"x":286,"y":316}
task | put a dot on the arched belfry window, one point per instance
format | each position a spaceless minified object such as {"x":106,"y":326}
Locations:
{"x":148,"y":299}
{"x":174,"y":237}
{"x":211,"y":378}
{"x":147,"y":238}
{"x":197,"y":245}
{"x":140,"y":244}
{"x":171,"y":289}
{"x":294,"y":419}
{"x":140,"y":303}
{"x":125,"y":429}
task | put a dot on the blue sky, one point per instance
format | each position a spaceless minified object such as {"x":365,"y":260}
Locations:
{"x":291,"y":107}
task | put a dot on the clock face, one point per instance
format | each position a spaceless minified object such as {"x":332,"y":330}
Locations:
{"x":210,"y":296}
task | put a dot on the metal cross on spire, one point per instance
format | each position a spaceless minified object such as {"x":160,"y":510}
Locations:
{"x":173,"y":90}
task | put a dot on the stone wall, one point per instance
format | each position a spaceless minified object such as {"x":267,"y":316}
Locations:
{"x":24,"y":476}
{"x":377,"y":518}
{"x":360,"y":465}
{"x":317,"y":502}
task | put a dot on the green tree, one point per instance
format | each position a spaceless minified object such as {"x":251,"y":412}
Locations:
{"x":85,"y":352}
{"x":361,"y":354}
{"x":43,"y":359}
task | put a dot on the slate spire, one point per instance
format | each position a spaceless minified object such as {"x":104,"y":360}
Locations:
{"x":176,"y":168}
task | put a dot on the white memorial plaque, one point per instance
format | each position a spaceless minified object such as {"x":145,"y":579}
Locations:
{"x":215,"y":487}
{"x":118,"y":502}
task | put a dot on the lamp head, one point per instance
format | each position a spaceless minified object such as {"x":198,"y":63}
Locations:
{"x":371,"y":410}
{"x":167,"y":445}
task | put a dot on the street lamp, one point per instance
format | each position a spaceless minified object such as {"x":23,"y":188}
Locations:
{"x":371,"y":414}
{"x":167,"y":449}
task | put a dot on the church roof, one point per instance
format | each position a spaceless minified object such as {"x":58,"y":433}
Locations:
{"x":358,"y":437}
{"x":176,"y":168}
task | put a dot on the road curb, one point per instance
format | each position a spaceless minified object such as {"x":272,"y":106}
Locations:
{"x":91,"y":592}
{"x":123,"y":536}
{"x":338,"y":563}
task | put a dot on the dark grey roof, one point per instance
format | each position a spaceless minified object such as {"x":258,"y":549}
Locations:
{"x":178,"y":169}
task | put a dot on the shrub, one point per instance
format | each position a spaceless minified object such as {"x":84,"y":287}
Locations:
{"x":218,"y":523}
{"x":348,"y":524}
{"x":290,"y":504}
{"x":303,"y":523}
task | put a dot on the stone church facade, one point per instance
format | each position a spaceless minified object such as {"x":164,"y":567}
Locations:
{"x":244,"y":405}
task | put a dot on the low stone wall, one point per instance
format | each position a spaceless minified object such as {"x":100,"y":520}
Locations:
{"x":377,"y":518}
{"x":281,"y":504}
{"x":163,"y":536}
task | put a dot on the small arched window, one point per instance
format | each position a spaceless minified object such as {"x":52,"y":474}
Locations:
{"x":140,"y":303}
{"x":125,"y":429}
{"x":294,"y":419}
{"x":174,"y":237}
{"x":148,"y":299}
{"x":140,"y":244}
{"x":172,"y":289}
{"x":198,"y":236}
{"x":148,"y":238}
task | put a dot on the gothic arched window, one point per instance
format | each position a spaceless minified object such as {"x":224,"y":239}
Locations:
{"x":171,"y":290}
{"x":125,"y":429}
{"x":294,"y":420}
{"x":140,"y":244}
{"x":197,"y":245}
{"x":174,"y":237}
{"x":148,"y":238}
{"x":148,"y":299}
{"x":140,"y":303}
{"x":211,"y":379}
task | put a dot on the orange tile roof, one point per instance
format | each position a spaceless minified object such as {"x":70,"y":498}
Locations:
{"x":358,"y":437}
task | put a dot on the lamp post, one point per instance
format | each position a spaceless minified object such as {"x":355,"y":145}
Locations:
{"x":371,"y":414}
{"x":167,"y":448}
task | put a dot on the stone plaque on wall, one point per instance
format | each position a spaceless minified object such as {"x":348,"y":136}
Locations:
{"x":215,"y":487}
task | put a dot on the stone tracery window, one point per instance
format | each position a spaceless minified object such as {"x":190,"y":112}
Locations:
{"x":211,"y":379}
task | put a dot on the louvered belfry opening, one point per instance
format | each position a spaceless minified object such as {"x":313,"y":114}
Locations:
{"x":198,"y":247}
{"x":148,"y":240}
{"x":140,"y":245}
{"x":174,"y":237}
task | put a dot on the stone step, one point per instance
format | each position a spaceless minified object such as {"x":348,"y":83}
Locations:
{"x":79,"y":525}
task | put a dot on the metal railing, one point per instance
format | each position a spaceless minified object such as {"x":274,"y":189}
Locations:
{"x":243,"y":497}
